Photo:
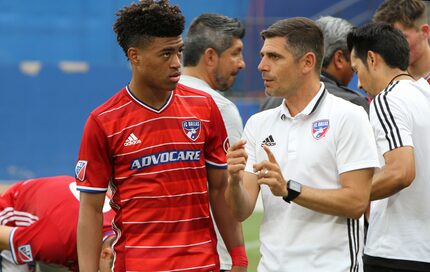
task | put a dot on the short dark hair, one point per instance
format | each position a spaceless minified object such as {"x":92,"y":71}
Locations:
{"x":302,"y":35}
{"x":410,"y":13}
{"x":383,"y":39}
{"x":138,"y":23}
{"x":210,"y":30}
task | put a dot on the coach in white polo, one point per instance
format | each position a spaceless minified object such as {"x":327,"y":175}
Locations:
{"x":399,"y":227}
{"x":312,"y":157}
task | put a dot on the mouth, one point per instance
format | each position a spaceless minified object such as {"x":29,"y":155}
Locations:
{"x":175,"y":77}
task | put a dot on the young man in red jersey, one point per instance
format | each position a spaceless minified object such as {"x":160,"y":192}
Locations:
{"x":38,"y":222}
{"x":162,"y":149}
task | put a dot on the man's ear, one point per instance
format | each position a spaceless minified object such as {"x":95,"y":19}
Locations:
{"x":133,"y":55}
{"x":425,"y":29}
{"x":372,"y":59}
{"x":309,"y":61}
{"x":339,"y":60}
{"x":210,"y":57}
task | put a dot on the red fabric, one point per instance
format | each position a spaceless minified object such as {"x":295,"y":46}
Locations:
{"x":238,"y":256}
{"x":157,"y":165}
{"x":45,"y":214}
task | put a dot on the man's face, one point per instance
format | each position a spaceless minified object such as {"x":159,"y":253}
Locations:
{"x":279,"y":69}
{"x":159,"y":63}
{"x":364,"y":77}
{"x":230,"y":62}
{"x":417,"y":41}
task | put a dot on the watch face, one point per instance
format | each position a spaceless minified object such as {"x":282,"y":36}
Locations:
{"x":295,"y":186}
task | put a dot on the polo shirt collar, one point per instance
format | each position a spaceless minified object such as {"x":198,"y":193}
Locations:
{"x":309,"y":109}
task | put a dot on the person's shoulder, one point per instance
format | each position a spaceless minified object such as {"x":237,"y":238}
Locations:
{"x":117,"y":100}
{"x":187,"y":91}
{"x":340,"y":105}
{"x":265,"y":115}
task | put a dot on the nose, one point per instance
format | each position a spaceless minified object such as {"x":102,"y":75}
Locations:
{"x":241,"y":64}
{"x":262,"y":66}
{"x":176,"y":61}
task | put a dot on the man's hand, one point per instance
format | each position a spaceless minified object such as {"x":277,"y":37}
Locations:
{"x":236,"y":161}
{"x":270,"y":174}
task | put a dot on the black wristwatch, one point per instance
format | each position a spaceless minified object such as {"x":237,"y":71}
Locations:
{"x":294,"y":189}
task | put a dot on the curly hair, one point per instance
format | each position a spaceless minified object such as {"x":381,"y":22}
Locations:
{"x":138,"y":23}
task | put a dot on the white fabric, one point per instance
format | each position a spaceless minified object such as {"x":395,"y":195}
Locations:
{"x":292,"y":237}
{"x":234,"y":126}
{"x":400,"y":224}
{"x":230,"y":113}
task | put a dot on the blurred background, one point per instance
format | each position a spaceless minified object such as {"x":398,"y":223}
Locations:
{"x":59,"y":60}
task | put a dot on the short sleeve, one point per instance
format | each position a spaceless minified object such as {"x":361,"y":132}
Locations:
{"x":94,"y":167}
{"x":391,"y":122}
{"x":233,"y":122}
{"x":355,"y":143}
{"x":217,"y":142}
{"x":250,"y":146}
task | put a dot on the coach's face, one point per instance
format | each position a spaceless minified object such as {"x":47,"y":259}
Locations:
{"x":157,"y":65}
{"x":279,"y":69}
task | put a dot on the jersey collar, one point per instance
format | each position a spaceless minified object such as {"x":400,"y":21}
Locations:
{"x":309,"y":109}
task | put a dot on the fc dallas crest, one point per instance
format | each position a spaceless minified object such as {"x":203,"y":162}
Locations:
{"x":320,"y":128}
{"x":192,"y":128}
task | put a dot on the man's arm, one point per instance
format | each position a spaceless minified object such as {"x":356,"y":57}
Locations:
{"x":242,"y":189}
{"x":229,"y":228}
{"x":90,"y":225}
{"x":351,"y":200}
{"x":4,"y":237}
{"x":397,"y":173}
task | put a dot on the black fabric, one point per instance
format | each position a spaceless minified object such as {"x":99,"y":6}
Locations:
{"x":394,"y":265}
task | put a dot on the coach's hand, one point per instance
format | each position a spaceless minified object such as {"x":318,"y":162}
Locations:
{"x":236,"y":161}
{"x":269,"y":173}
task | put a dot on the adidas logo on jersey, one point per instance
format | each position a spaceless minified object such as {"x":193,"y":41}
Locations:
{"x":269,"y":141}
{"x":132,"y":140}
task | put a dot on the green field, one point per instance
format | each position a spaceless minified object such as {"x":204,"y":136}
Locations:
{"x":251,"y":228}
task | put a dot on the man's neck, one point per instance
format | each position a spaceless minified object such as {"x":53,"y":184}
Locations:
{"x":146,"y":94}
{"x":199,"y":73}
{"x":298,"y":101}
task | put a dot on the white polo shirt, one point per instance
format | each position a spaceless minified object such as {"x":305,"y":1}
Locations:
{"x":329,"y":137}
{"x":399,"y":227}
{"x":234,"y":126}
{"x":229,"y":112}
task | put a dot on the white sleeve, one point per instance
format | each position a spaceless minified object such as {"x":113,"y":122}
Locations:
{"x":250,"y":148}
{"x":233,"y":123}
{"x":355,"y":143}
{"x":391,"y":121}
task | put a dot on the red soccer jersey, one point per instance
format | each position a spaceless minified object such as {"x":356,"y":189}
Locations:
{"x":45,"y":214}
{"x":156,"y":161}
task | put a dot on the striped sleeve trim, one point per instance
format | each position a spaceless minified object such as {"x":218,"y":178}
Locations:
{"x":354,"y":244}
{"x":386,"y":118}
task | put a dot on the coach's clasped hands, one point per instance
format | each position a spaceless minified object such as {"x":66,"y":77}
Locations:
{"x":270,"y":174}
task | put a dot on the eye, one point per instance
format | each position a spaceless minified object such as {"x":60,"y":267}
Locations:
{"x":166,"y":54}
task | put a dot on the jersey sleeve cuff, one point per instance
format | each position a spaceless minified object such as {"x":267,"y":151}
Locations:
{"x":216,"y":165}
{"x":87,"y":189}
{"x":359,"y":165}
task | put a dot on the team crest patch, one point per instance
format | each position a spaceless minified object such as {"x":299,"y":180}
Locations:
{"x":80,"y":169}
{"x":24,"y":253}
{"x":192,"y":129}
{"x":320,"y":128}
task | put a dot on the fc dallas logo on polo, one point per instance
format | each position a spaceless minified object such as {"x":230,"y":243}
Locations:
{"x":320,"y":128}
{"x":191,"y":128}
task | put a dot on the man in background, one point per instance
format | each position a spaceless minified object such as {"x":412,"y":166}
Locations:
{"x":212,"y":60}
{"x":398,"y":238}
{"x":336,"y":70}
{"x":38,"y":223}
{"x":410,"y":17}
